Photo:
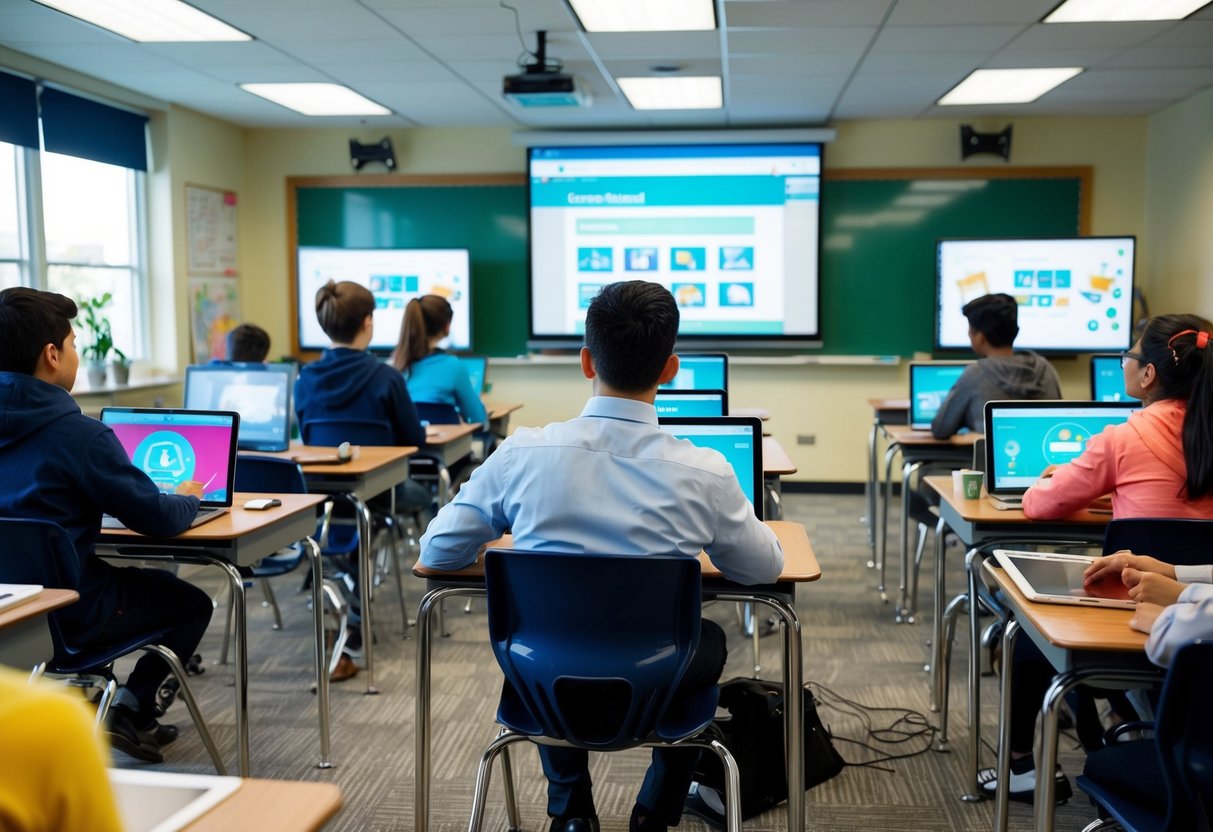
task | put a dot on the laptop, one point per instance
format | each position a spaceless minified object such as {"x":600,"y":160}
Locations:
{"x":260,"y":393}
{"x":701,"y":371}
{"x":1023,"y":438}
{"x":176,"y":446}
{"x":477,"y":367}
{"x":930,"y":383}
{"x":1053,"y":578}
{"x":1108,"y":379}
{"x":692,"y":403}
{"x":737,"y":438}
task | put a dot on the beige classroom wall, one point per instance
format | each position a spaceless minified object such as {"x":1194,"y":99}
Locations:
{"x":828,"y":403}
{"x":1179,"y":207}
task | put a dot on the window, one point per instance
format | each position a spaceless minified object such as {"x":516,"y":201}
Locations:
{"x":14,"y":259}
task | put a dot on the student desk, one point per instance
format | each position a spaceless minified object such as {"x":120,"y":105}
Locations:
{"x":241,"y":538}
{"x":756,"y":412}
{"x":499,"y":417}
{"x":1085,"y":645}
{"x":917,"y":448}
{"x":775,"y":464}
{"x":446,"y":445}
{"x":800,"y":566}
{"x":25,"y":634}
{"x":980,"y":528}
{"x":286,"y":805}
{"x":372,"y":471}
{"x":884,"y":412}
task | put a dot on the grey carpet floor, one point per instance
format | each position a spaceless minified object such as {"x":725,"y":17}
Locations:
{"x":851,"y":646}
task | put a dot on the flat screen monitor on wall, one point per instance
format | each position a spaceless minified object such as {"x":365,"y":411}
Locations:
{"x":1075,"y":294}
{"x":395,"y":276}
{"x":732,"y":230}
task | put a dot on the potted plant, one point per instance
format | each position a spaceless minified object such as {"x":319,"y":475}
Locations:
{"x":101,"y":342}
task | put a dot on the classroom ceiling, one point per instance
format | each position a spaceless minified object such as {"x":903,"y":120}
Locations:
{"x":784,"y":62}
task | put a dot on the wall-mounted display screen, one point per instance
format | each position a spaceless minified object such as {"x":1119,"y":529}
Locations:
{"x":395,"y":276}
{"x":731,"y":230}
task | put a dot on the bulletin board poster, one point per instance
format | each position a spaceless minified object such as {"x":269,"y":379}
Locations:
{"x":211,"y":231}
{"x":214,"y":312}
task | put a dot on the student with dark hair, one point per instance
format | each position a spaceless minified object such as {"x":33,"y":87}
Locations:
{"x":1001,"y":372}
{"x":432,"y":374}
{"x":58,"y":464}
{"x":248,"y":344}
{"x":612,"y":481}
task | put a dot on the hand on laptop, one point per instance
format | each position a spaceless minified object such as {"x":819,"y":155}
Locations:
{"x":1111,"y":566}
{"x":1144,"y":617}
{"x":190,"y":488}
{"x":1151,"y":587}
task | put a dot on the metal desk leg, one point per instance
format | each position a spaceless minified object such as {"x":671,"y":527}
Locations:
{"x":871,"y":490}
{"x":1002,"y":798}
{"x":322,"y":666}
{"x":421,"y":762}
{"x":903,"y":615}
{"x":883,"y":547}
{"x":240,"y":668}
{"x":365,"y":579}
{"x":972,"y":563}
{"x":941,"y":532}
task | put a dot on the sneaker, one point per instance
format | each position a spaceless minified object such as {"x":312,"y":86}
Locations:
{"x":128,"y":739}
{"x":345,"y":669}
{"x":1023,"y":785}
{"x":702,"y":803}
{"x":563,"y":824}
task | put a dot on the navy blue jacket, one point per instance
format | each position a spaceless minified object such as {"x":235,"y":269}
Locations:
{"x":348,"y":384}
{"x":58,"y":464}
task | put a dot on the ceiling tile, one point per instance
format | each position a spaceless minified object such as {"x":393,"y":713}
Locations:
{"x":947,"y":38}
{"x":843,"y":40}
{"x":662,"y":45}
{"x":780,"y":13}
{"x":968,"y":12}
{"x":1052,"y":36}
{"x":1160,"y":57}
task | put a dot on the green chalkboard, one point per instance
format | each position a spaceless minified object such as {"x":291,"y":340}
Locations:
{"x":878,"y":239}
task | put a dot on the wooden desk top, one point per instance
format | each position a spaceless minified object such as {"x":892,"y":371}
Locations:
{"x":775,"y":459}
{"x":1073,"y":627}
{"x":499,"y":410}
{"x":982,"y":510}
{"x":237,"y":523}
{"x":287,"y":805}
{"x":82,"y":387}
{"x":45,"y":601}
{"x":889,"y":404}
{"x":905,"y":435}
{"x":367,"y":458}
{"x":444,"y":434}
{"x":799,"y":562}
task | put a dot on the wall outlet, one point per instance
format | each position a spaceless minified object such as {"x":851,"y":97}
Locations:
{"x":806,"y":439}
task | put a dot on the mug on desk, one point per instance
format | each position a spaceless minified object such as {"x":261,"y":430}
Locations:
{"x":971,"y":482}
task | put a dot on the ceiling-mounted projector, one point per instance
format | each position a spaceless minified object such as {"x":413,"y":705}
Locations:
{"x":543,"y":84}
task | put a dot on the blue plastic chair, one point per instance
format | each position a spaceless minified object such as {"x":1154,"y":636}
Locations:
{"x":40,"y":552}
{"x":593,"y":648}
{"x":1183,"y":744}
{"x":1184,"y":542}
{"x":437,"y":413}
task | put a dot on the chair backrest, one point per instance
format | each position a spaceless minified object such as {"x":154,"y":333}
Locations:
{"x":979,"y":455}
{"x":40,"y":552}
{"x":437,"y":413}
{"x":1184,"y":542}
{"x":269,"y":475}
{"x":332,"y":432}
{"x":1184,"y":732}
{"x":593,"y":646}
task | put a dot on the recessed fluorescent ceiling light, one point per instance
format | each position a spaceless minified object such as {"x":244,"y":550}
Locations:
{"x":645,"y":15}
{"x":1007,"y":86}
{"x":150,"y":21}
{"x":1096,"y":11}
{"x":318,"y":99}
{"x":690,"y":93}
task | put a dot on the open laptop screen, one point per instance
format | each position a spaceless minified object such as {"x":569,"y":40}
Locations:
{"x":176,"y":446}
{"x":692,"y":403}
{"x":929,"y":386}
{"x":477,"y":369}
{"x":737,"y":438}
{"x":1108,"y":379}
{"x":1024,"y":438}
{"x":260,"y":393}
{"x":701,"y":371}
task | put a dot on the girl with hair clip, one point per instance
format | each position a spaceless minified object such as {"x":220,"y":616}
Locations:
{"x":432,"y":374}
{"x":1157,"y":464}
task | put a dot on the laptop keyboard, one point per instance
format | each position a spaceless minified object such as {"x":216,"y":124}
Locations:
{"x":108,"y":521}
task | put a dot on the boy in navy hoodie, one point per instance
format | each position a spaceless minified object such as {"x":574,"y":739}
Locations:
{"x":58,"y":464}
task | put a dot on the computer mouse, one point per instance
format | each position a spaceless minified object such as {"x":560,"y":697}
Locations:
{"x":345,"y":452}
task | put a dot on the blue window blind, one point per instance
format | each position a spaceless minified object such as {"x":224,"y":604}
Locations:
{"x":81,"y":127}
{"x":18,"y":111}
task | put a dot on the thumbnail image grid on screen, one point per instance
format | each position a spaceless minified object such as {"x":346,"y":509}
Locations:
{"x":1074,"y":294}
{"x":731,"y":230}
{"x":394,"y":276}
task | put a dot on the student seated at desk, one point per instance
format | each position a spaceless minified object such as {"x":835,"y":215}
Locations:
{"x":1158,"y":464}
{"x":432,"y":374}
{"x":1001,"y":372}
{"x":248,"y":344}
{"x":612,"y":481}
{"x":52,"y":771}
{"x":58,"y":464}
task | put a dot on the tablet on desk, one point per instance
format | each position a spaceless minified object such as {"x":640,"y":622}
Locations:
{"x":1053,"y":578}
{"x":13,"y":594}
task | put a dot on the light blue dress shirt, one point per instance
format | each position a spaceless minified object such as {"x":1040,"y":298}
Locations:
{"x":440,"y":378}
{"x":1182,"y":623}
{"x":611,"y":482}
